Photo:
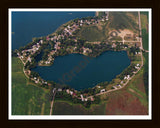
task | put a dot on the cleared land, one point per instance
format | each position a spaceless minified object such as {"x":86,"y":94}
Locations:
{"x":67,"y":108}
{"x":94,"y":33}
{"x":145,"y":36}
{"x":131,"y":100}
{"x":118,"y":21}
{"x":27,"y":99}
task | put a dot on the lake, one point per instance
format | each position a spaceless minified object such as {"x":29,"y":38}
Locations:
{"x":26,"y":25}
{"x":82,"y":72}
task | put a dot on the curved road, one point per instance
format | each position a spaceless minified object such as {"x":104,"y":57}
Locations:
{"x":135,"y":72}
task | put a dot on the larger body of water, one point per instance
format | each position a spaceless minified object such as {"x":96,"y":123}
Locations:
{"x":26,"y":25}
{"x":82,"y":72}
{"x":75,"y":70}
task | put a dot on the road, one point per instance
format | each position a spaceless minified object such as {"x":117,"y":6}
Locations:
{"x":54,"y":93}
{"x":23,"y":67}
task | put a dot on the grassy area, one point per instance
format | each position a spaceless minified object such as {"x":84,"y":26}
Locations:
{"x":121,"y":20}
{"x":67,"y":108}
{"x":144,"y":22}
{"x":136,"y":84}
{"x":145,"y":38}
{"x":91,"y":33}
{"x":117,"y":20}
{"x":145,"y":74}
{"x":26,"y":98}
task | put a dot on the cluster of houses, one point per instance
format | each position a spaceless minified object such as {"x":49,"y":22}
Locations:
{"x":137,"y":53}
{"x":50,"y":58}
{"x":137,"y":66}
{"x":127,"y":77}
{"x":73,"y":93}
{"x":117,"y":86}
{"x":37,"y":80}
{"x":30,"y":51}
{"x":86,"y":50}
{"x":34,"y":48}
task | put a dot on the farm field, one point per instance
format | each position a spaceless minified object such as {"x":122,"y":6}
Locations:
{"x":95,"y":33}
{"x":77,"y":109}
{"x":131,"y":100}
{"x":145,"y":36}
{"x":27,"y":99}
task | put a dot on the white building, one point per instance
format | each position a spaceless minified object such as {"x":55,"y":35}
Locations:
{"x":82,"y":97}
{"x":103,"y":90}
{"x":71,"y":92}
{"x":59,"y":89}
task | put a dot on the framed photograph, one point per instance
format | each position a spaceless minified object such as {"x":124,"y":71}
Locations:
{"x":80,"y":63}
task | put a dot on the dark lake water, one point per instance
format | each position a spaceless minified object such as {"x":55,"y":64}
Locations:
{"x":26,"y":25}
{"x":82,"y":72}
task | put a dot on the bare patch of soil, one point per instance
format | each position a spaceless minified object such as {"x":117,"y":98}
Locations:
{"x":124,"y":103}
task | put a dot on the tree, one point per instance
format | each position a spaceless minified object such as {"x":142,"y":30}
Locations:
{"x":14,"y":53}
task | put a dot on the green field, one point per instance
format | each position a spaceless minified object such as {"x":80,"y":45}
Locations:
{"x":120,"y":20}
{"x":145,"y":74}
{"x":135,"y":85}
{"x":145,"y":35}
{"x":27,"y":99}
{"x":91,"y":33}
{"x":67,"y":108}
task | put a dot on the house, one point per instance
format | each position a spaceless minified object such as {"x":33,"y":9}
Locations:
{"x":82,"y":97}
{"x":36,"y":82}
{"x":103,"y":90}
{"x":85,"y":99}
{"x":102,"y":19}
{"x":125,"y":77}
{"x":128,"y":76}
{"x":29,"y":59}
{"x":86,"y":50}
{"x":47,"y":38}
{"x":59,"y":89}
{"x":118,"y":85}
{"x":68,"y":27}
{"x":41,"y":41}
{"x":136,"y":67}
{"x":92,"y":99}
{"x":74,"y":94}
{"x":114,"y":45}
{"x":67,"y":91}
{"x":98,"y":86}
{"x":114,"y":87}
{"x":54,"y":90}
{"x":18,"y":54}
{"x":71,"y":92}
